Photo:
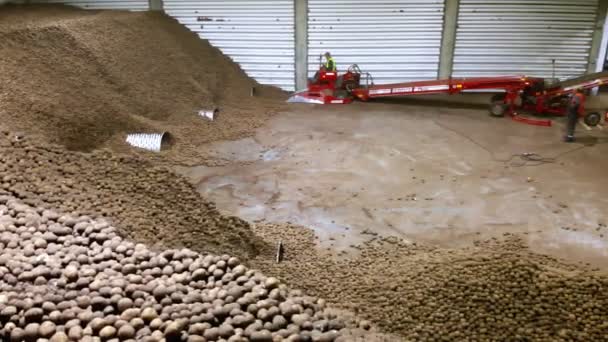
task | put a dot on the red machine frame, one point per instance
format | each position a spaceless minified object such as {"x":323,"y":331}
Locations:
{"x":328,"y":87}
{"x":519,"y":93}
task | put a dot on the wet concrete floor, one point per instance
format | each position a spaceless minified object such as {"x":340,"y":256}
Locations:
{"x":444,"y":176}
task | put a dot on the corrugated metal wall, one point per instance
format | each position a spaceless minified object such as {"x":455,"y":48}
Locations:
{"x":133,"y":5}
{"x":257,"y":34}
{"x":523,"y":36}
{"x":397,"y":40}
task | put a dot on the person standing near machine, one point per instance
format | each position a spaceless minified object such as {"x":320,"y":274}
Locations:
{"x":330,"y":64}
{"x":576,"y":106}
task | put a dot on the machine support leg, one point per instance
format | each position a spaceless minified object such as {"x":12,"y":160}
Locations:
{"x":597,"y":54}
{"x":301,"y":43}
{"x":448,"y":38}
{"x":599,"y":44}
{"x":155,"y":5}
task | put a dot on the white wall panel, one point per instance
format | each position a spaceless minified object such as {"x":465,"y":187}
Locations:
{"x":497,"y":37}
{"x":396,"y":41}
{"x":257,"y":34}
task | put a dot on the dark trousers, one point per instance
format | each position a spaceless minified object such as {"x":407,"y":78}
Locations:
{"x":571,"y":123}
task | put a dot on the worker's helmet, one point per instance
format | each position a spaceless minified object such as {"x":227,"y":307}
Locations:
{"x":327,"y":54}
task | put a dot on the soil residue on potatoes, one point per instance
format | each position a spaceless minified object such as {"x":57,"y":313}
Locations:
{"x":84,"y":79}
{"x":496,"y":290}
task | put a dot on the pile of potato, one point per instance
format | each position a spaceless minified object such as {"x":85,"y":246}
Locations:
{"x":146,"y":201}
{"x":72,"y":278}
{"x":498,"y":290}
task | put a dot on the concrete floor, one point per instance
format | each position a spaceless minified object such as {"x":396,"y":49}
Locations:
{"x":445,"y":176}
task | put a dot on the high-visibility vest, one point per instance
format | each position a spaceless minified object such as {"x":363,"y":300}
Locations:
{"x":330,"y":65}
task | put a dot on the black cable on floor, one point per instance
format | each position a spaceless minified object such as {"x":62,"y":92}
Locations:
{"x":526,"y":158}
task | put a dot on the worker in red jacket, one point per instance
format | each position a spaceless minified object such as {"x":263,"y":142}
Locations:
{"x":576,"y":107}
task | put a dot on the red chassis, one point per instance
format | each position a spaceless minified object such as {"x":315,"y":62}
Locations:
{"x":518,"y":93}
{"x":328,"y":87}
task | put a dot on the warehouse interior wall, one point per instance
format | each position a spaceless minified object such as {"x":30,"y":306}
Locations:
{"x":279,"y":42}
{"x":598,"y":55}
{"x":257,"y":34}
{"x":395,"y":41}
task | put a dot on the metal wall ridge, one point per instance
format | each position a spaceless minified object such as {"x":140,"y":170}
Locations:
{"x":519,"y":36}
{"x":256,"y":34}
{"x":396,"y":41}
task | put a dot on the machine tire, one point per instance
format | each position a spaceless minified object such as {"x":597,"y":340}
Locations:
{"x":350,"y":85}
{"x":592,"y":119}
{"x":498,"y":109}
{"x":341,"y":94}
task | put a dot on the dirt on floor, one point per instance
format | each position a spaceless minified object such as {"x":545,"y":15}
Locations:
{"x":84,"y":79}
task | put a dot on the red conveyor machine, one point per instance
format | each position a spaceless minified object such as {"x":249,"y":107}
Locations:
{"x":517,"y":94}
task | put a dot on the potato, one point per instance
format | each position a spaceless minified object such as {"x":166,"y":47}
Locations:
{"x":59,"y":337}
{"x":278,"y":322}
{"x":137,"y":323}
{"x":97,"y":276}
{"x":175,"y":328}
{"x":157,"y":335}
{"x":31,"y":331}
{"x":107,"y":332}
{"x":47,"y":329}
{"x":129,"y":314}
{"x":261,"y":336}
{"x":156,"y":323}
{"x":72,"y":323}
{"x":56,"y":316}
{"x":212,"y":334}
{"x":98,"y":323}
{"x":17,"y":334}
{"x":75,"y":332}
{"x":8,"y":311}
{"x":124,"y":304}
{"x":126,"y":331}
{"x":148,"y":314}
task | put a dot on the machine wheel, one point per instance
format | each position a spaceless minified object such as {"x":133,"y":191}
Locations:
{"x":349,"y":85}
{"x":592,"y":119}
{"x":341,"y":94}
{"x":498,"y":107}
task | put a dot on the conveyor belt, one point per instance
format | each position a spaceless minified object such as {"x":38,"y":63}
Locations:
{"x":579,"y":80}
